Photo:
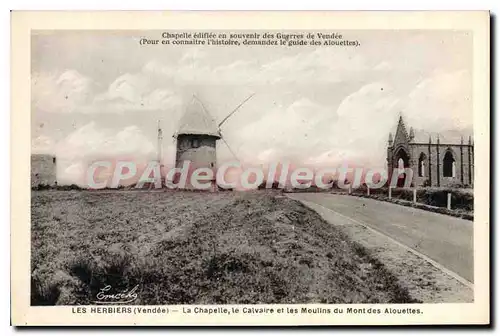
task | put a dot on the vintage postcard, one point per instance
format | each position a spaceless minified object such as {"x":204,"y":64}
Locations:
{"x":250,"y":168}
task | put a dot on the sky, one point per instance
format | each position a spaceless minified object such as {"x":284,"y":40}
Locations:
{"x":101,"y":94}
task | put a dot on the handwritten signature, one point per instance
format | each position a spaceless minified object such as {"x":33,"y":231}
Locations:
{"x":106,"y":296}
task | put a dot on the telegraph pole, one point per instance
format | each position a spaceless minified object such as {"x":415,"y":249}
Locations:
{"x":160,"y":144}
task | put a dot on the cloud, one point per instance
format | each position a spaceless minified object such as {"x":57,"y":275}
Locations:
{"x":160,"y":86}
{"x":42,"y":144}
{"x":365,"y":118}
{"x":60,"y":92}
{"x":91,"y":142}
{"x":383,"y":66}
{"x":335,"y":157}
{"x":441,"y":102}
{"x":290,"y":131}
{"x":71,"y":92}
{"x":135,"y":92}
{"x":315,"y":105}
{"x":311,"y":133}
{"x":127,"y":87}
{"x":321,"y":65}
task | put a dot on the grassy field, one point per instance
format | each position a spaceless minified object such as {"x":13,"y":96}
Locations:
{"x":204,"y":248}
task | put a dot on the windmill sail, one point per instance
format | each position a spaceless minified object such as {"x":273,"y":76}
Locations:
{"x":226,"y":118}
{"x":236,"y":109}
{"x":232,"y":152}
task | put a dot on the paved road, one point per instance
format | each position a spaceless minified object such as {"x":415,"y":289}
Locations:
{"x":446,"y":240}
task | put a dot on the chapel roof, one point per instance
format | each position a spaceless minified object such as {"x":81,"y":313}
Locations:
{"x":451,"y":136}
{"x":445,"y":137}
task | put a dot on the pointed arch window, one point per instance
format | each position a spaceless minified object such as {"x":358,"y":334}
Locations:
{"x":401,"y":166}
{"x":449,"y":165}
{"x":422,"y":164}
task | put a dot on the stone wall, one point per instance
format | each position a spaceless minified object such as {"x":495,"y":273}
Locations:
{"x":433,"y":170}
{"x":199,"y":149}
{"x":43,"y":170}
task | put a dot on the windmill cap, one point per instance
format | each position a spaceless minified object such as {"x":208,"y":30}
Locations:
{"x":197,"y":120}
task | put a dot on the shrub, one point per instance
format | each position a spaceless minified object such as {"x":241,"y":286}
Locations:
{"x":40,"y":186}
{"x":460,"y":199}
{"x":43,"y":291}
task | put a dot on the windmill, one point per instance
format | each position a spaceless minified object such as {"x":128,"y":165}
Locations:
{"x":198,"y":134}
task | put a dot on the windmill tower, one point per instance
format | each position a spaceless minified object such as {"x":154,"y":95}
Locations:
{"x":197,"y":137}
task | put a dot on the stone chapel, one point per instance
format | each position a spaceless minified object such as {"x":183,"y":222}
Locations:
{"x":438,"y":160}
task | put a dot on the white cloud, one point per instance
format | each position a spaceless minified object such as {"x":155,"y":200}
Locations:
{"x":297,"y":116}
{"x":71,"y":92}
{"x":61,"y":92}
{"x":90,"y":143}
{"x":42,"y":145}
{"x":441,"y":102}
{"x":383,"y":66}
{"x":135,"y":92}
{"x":266,"y":156}
{"x":71,"y":173}
{"x":193,"y":55}
{"x":334,"y":157}
{"x":365,"y":118}
{"x":289,"y":131}
{"x":321,"y":65}
{"x":127,"y":87}
{"x":157,"y":86}
{"x":311,"y":133}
